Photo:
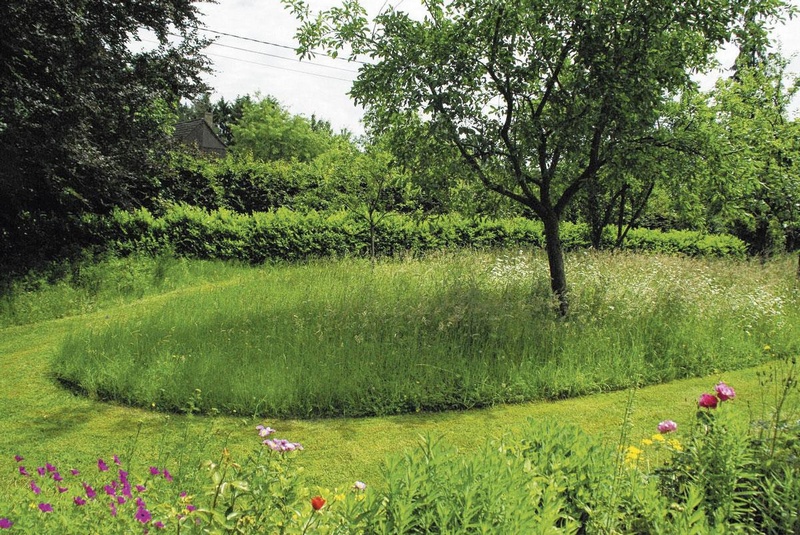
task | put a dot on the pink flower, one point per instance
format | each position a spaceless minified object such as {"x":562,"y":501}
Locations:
{"x":282,"y":445}
{"x":90,"y":492}
{"x":117,"y":461}
{"x":359,"y":485}
{"x":57,"y":477}
{"x":154,"y":471}
{"x":724,"y":392}
{"x":50,"y":467}
{"x":190,"y":507}
{"x":143,"y":515}
{"x":140,"y":488}
{"x":159,"y":525}
{"x":19,"y":459}
{"x":77,"y":500}
{"x":23,"y":472}
{"x":41,"y":470}
{"x":101,"y":465}
{"x":35,"y":488}
{"x":264,"y":432}
{"x":62,"y":490}
{"x":5,"y":523}
{"x":74,"y":472}
{"x":113,"y":507}
{"x":707,"y":401}
{"x":45,"y":508}
{"x":167,"y":475}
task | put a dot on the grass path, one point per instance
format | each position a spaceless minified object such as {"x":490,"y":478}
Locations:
{"x":41,"y":420}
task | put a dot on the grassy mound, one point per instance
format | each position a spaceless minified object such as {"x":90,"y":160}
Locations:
{"x":450,"y":332}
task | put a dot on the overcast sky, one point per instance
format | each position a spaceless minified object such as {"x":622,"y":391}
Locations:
{"x":319,"y":86}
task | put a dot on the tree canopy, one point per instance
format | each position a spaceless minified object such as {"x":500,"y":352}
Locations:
{"x":536,"y":96}
{"x":83,"y":117}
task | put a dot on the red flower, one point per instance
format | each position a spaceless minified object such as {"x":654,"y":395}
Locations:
{"x":317,"y":502}
{"x":707,"y":401}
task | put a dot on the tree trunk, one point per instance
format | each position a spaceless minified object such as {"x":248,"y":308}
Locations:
{"x":555,"y":258}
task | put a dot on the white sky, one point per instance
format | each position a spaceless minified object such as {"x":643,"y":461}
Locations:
{"x":320,"y":86}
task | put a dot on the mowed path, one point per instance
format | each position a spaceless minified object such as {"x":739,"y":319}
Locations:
{"x":41,"y":419}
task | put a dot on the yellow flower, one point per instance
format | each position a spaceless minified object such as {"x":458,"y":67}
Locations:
{"x":632,"y":454}
{"x":647,"y":442}
{"x":675,"y":445}
{"x":658,"y":438}
{"x":767,"y":347}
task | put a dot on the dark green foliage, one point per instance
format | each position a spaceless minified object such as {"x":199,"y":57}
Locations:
{"x":83,"y":118}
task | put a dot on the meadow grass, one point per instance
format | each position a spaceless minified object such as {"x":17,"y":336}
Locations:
{"x":450,"y":331}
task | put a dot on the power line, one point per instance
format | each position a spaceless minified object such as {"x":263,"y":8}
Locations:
{"x":282,"y":68}
{"x":282,"y":57}
{"x":268,"y":43}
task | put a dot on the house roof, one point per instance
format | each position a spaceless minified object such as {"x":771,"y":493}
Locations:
{"x":199,"y":132}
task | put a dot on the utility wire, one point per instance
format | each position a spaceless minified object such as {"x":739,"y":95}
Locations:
{"x":243,"y":38}
{"x":282,"y":57}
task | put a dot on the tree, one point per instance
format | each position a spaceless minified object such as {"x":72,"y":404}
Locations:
{"x":269,"y":132}
{"x":84,"y":119}
{"x":536,"y":96}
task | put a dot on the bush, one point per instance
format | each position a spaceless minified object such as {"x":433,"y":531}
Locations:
{"x":284,"y":234}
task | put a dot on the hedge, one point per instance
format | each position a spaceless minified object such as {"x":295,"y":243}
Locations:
{"x":284,"y":234}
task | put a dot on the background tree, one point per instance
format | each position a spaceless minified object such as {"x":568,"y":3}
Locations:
{"x":536,"y":96}
{"x":84,"y":119}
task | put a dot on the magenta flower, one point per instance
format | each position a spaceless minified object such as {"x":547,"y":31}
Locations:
{"x":101,"y":465}
{"x":19,"y":459}
{"x":5,"y":523}
{"x":140,"y":503}
{"x":57,"y":477}
{"x":159,"y":525}
{"x":74,"y":472}
{"x":41,"y":470}
{"x":121,"y":500}
{"x":50,"y":467}
{"x":45,"y":508}
{"x":154,"y":471}
{"x":117,"y":461}
{"x":707,"y":401}
{"x":123,"y":476}
{"x":35,"y":488}
{"x":110,"y":490}
{"x":90,"y":492}
{"x":143,"y":515}
{"x":113,"y":507}
{"x":77,"y":500}
{"x":724,"y":392}
{"x":667,"y":426}
{"x":190,"y":507}
{"x":140,"y":488}
{"x":167,"y":475}
{"x":23,"y":472}
{"x":62,"y":490}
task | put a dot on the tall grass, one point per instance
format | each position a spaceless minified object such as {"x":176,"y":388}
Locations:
{"x":88,"y":285}
{"x":447,"y":332}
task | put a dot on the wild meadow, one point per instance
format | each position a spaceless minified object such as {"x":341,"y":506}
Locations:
{"x":456,"y":330}
{"x":449,"y":331}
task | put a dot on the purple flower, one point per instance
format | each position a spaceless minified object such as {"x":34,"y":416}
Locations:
{"x":140,"y":503}
{"x":190,"y":507}
{"x":50,"y":467}
{"x":359,"y":485}
{"x":19,"y":459}
{"x":23,"y":472}
{"x":121,"y":500}
{"x":62,"y":490}
{"x":117,"y":461}
{"x":724,"y":392}
{"x":159,"y":525}
{"x":101,"y":465}
{"x":74,"y":472}
{"x":126,"y":490}
{"x":41,"y":470}
{"x":90,"y":492}
{"x":282,"y":445}
{"x":57,"y":477}
{"x":154,"y":471}
{"x":707,"y":401}
{"x":140,"y":488}
{"x":264,"y":432}
{"x":77,"y":500}
{"x":35,"y":488}
{"x":167,"y":475}
{"x":143,"y":515}
{"x":45,"y":508}
{"x":123,"y":476}
{"x":184,"y":494}
{"x":110,"y":490}
{"x":667,"y":426}
{"x":113,"y":507}
{"x":5,"y":523}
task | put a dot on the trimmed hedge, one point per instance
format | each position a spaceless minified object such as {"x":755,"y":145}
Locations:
{"x":287,"y":235}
